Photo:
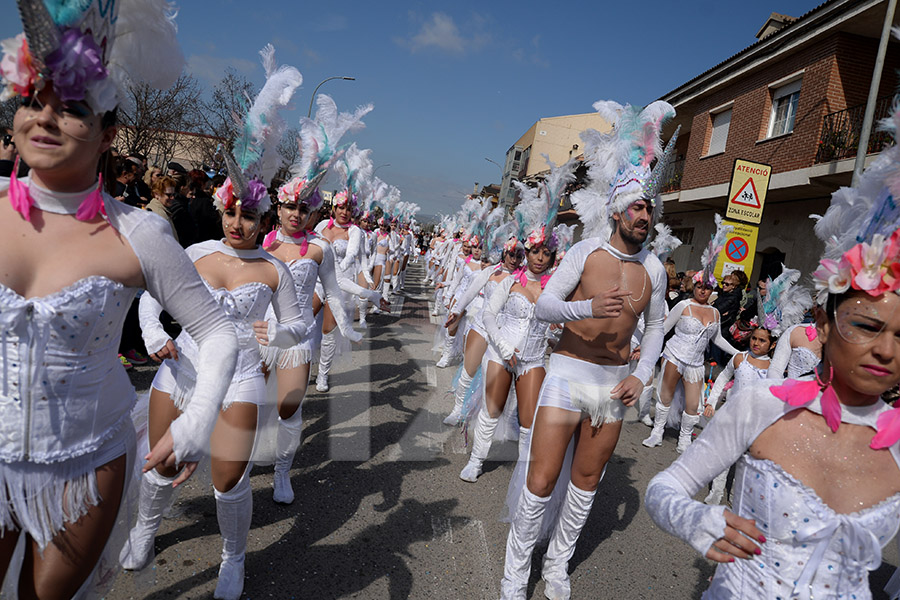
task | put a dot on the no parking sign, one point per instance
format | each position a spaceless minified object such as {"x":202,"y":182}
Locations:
{"x":739,"y":250}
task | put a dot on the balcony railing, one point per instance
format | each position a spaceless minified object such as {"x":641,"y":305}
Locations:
{"x":840,"y":132}
{"x":672,"y":177}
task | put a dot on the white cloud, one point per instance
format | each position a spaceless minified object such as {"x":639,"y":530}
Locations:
{"x":441,"y":32}
{"x":211,"y":69}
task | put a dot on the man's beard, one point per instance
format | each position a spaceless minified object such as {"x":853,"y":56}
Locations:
{"x":633,"y":237}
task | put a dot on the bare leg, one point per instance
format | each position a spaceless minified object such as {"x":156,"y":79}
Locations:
{"x":72,"y":555}
{"x":528,"y":386}
{"x":7,"y":548}
{"x":162,"y":413}
{"x":553,"y":428}
{"x":475,"y":349}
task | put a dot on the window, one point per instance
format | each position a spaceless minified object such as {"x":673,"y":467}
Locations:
{"x":784,"y":108}
{"x":518,"y":155}
{"x":720,"y":123}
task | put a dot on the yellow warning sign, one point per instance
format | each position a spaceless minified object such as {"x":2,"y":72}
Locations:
{"x":747,"y":194}
{"x":739,"y":250}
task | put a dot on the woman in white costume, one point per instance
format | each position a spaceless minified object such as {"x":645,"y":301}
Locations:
{"x":310,"y":260}
{"x":696,"y":324}
{"x":68,"y":446}
{"x":517,"y":338}
{"x":244,"y":280}
{"x":817,"y":486}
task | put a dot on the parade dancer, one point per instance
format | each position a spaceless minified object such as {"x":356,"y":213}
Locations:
{"x":309,"y":259}
{"x":696,"y":324}
{"x":345,"y":239}
{"x":69,"y":448}
{"x":473,"y":302}
{"x":599,"y":289}
{"x":517,"y":337}
{"x":799,"y":350}
{"x":244,"y":280}
{"x":807,"y":522}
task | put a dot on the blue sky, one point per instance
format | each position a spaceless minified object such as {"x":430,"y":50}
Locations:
{"x":453,"y":83}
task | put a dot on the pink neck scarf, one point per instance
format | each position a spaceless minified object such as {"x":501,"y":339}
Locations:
{"x":522,"y":277}
{"x":21,"y":200}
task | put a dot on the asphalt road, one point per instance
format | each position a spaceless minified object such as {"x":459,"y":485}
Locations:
{"x":380,"y":511}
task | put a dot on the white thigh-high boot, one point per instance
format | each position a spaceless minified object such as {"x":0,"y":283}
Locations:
{"x":572,"y":518}
{"x":156,"y":493}
{"x":643,"y":406}
{"x":326,"y":357}
{"x":687,"y":431}
{"x":462,"y":386}
{"x":659,"y":425}
{"x":438,"y":298}
{"x":447,"y":353}
{"x":287,"y":441}
{"x":523,"y":533}
{"x":481,"y":445}
{"x":402,"y":279}
{"x":718,"y":489}
{"x":524,"y":438}
{"x":233,"y":511}
{"x":362,"y":303}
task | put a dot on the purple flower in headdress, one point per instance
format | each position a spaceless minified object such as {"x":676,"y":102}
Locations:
{"x":256,"y":192}
{"x":77,"y":63}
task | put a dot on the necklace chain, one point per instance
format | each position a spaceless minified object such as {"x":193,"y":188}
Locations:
{"x":630,"y":297}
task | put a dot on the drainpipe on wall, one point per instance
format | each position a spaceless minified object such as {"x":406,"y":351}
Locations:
{"x":873,"y":93}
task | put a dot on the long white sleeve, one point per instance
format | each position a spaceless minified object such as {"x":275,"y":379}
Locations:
{"x":782,"y":355}
{"x":722,"y":380}
{"x":475,"y":286}
{"x":171,"y":278}
{"x":457,"y":279}
{"x":721,"y":342}
{"x":492,"y":309}
{"x":332,"y":292}
{"x":155,"y":337}
{"x":552,"y":305}
{"x":654,"y":315}
{"x":293,"y":323}
{"x":674,"y":315}
{"x":354,"y":235}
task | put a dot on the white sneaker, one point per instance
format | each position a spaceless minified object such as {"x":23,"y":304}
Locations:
{"x":471,"y":471}
{"x":322,"y":382}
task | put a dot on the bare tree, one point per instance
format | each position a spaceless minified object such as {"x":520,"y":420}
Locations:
{"x":160,"y":123}
{"x":289,"y":151}
{"x":220,"y":116}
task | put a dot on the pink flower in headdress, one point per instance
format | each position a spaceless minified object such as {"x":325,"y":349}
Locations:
{"x":16,"y":68}
{"x":536,"y":237}
{"x":874,"y":266}
{"x":770,"y":322}
{"x":341,"y":198}
{"x":224,"y":195}
{"x":76,"y":64}
{"x":256,"y":193}
{"x":290,"y":190}
{"x":832,"y":277}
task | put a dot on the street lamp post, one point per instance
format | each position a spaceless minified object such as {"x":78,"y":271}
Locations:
{"x":496,"y":163}
{"x":311,"y":100}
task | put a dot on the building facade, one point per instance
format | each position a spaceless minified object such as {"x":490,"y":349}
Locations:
{"x":558,"y":137}
{"x":794,"y":100}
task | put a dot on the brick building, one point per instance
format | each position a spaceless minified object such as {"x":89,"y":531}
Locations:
{"x":794,"y":100}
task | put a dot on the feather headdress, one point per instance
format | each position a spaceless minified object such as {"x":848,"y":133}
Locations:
{"x":356,"y":168}
{"x":861,"y":229}
{"x":785,"y":304}
{"x":318,"y":142}
{"x":254,"y":159}
{"x":536,"y":213}
{"x":710,"y":255}
{"x":619,"y":164}
{"x":88,"y":51}
{"x":664,"y":243}
{"x":477,"y":222}
{"x":566,"y":236}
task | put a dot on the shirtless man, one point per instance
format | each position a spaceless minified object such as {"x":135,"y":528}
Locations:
{"x":588,"y":386}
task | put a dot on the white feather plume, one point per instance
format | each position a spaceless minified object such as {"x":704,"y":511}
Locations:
{"x":320,"y":136}
{"x":663,"y":242}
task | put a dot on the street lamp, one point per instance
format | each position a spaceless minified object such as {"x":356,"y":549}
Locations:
{"x":496,"y":163}
{"x":311,"y":100}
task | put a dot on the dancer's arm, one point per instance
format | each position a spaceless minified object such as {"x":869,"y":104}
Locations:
{"x":475,"y":286}
{"x":654,"y":316}
{"x":333,"y":294}
{"x":782,"y":355}
{"x":718,"y":388}
{"x":494,"y":305}
{"x":155,"y":337}
{"x":674,"y":315}
{"x":669,"y":498}
{"x":552,"y":305}
{"x":720,"y":340}
{"x":353,"y":235}
{"x":292,"y":323}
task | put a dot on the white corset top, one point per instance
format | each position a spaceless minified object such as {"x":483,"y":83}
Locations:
{"x":340,"y":249}
{"x":802,"y":361}
{"x":519,"y":325}
{"x":747,"y":373}
{"x":691,"y":338}
{"x":305,"y":272}
{"x":58,"y":362}
{"x":243,"y":305}
{"x":810,"y":549}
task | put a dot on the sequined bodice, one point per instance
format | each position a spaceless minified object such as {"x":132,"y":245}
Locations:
{"x":340,"y":249}
{"x":518,"y":325}
{"x":802,"y":361}
{"x":691,"y":338}
{"x":823,"y":553}
{"x":747,"y":373}
{"x":305,"y":272}
{"x":58,"y":362}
